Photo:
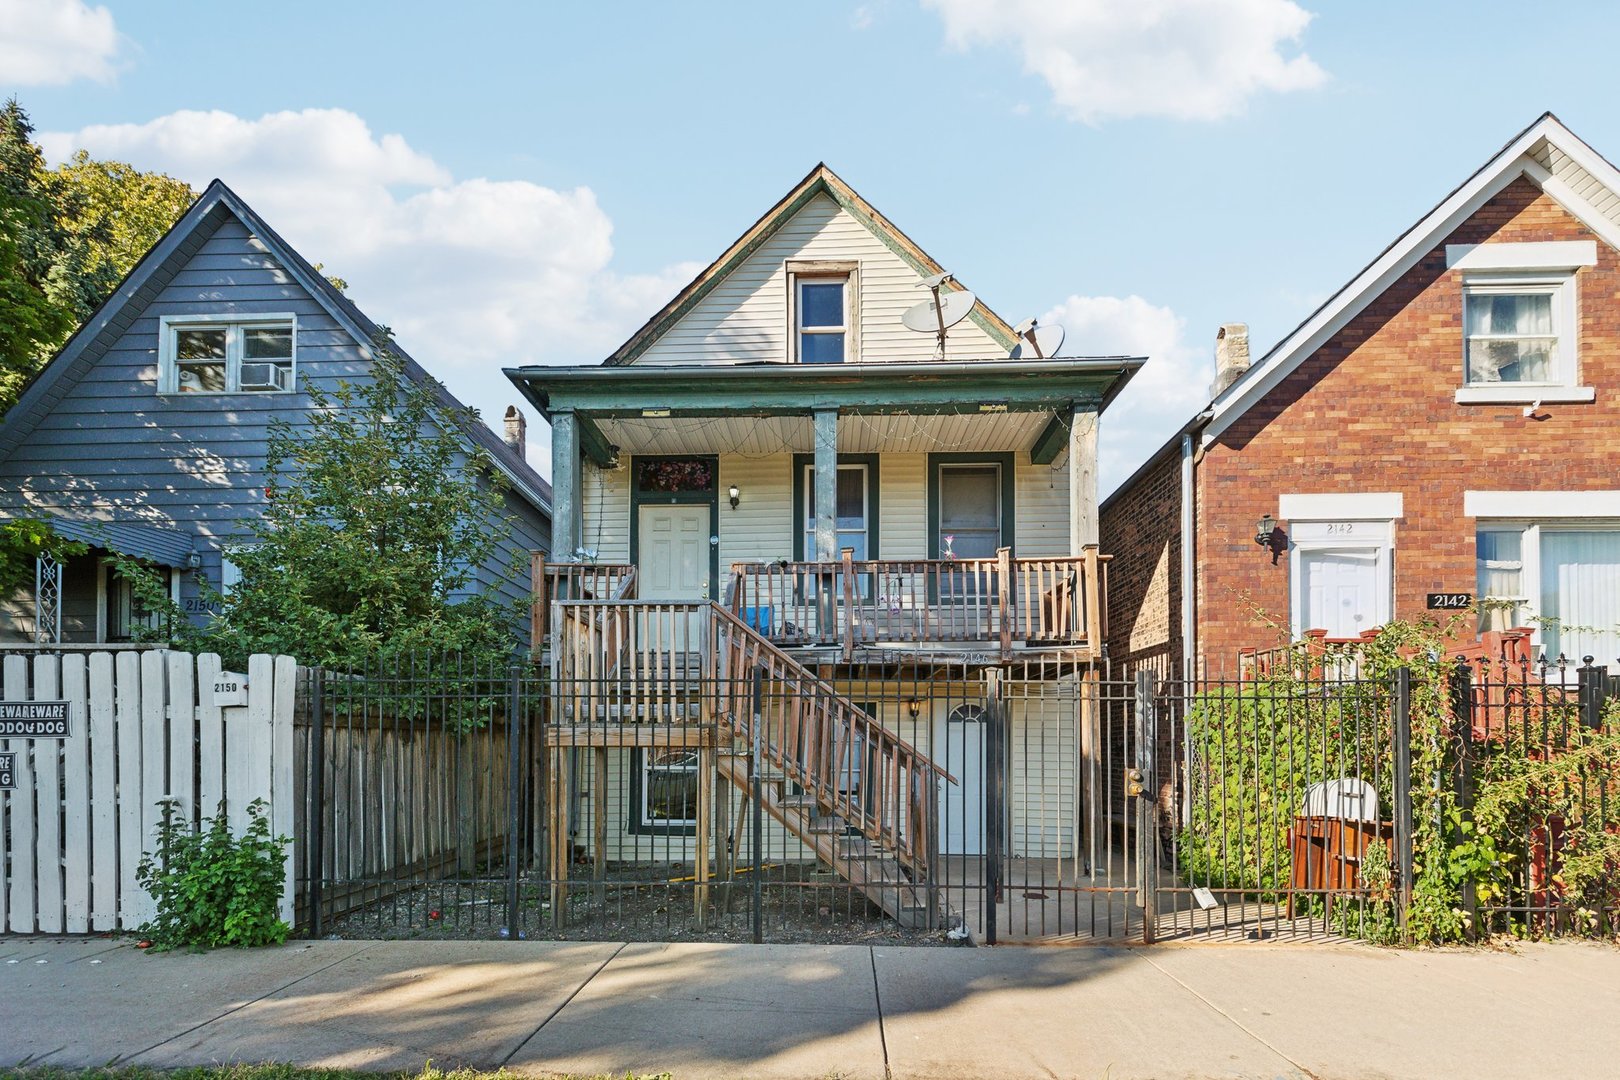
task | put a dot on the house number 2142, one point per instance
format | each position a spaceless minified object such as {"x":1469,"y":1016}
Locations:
{"x":1341,"y":528}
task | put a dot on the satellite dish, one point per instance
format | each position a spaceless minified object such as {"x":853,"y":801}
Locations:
{"x":929,"y":318}
{"x":940,"y":313}
{"x":1036,"y":341}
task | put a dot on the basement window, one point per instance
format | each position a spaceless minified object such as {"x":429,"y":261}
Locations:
{"x":210,"y":354}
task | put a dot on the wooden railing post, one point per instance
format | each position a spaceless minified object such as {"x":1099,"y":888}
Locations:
{"x":849,"y":603}
{"x":1093,"y":601}
{"x":538,"y":622}
{"x":1004,"y":585}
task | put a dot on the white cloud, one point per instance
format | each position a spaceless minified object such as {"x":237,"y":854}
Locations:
{"x":471,"y":274}
{"x":1184,"y":59}
{"x":1162,"y":396}
{"x":53,"y":42}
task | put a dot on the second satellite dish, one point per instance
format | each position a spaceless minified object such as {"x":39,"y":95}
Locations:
{"x":939,"y":313}
{"x":1036,"y":341}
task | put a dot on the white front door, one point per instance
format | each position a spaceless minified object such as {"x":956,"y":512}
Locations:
{"x":959,"y":750}
{"x":672,"y":563}
{"x":1343,"y":591}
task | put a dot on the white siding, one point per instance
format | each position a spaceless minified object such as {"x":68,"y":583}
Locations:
{"x":761,"y":528}
{"x":745,"y":318}
{"x":1041,"y":793}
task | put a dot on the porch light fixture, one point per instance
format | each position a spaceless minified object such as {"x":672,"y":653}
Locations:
{"x":914,"y":707}
{"x":734,"y":493}
{"x":1268,"y":536}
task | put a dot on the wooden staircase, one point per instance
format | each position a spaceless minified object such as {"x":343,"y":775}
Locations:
{"x":880,"y":839}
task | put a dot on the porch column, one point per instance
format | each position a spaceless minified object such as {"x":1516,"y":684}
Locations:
{"x":1082,"y":478}
{"x":826,"y":485}
{"x":565,"y":487}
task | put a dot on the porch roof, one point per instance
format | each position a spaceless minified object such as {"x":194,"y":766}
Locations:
{"x":1020,"y":403}
{"x":166,"y":547}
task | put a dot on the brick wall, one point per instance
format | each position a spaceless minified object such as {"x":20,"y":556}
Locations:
{"x":1140,"y":528}
{"x":1374,"y":410}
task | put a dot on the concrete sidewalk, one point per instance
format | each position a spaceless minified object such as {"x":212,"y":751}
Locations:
{"x":701,"y":1010}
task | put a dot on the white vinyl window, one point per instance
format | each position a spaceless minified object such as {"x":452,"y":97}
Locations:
{"x":1561,"y":578}
{"x":822,"y":307}
{"x":227,"y":354}
{"x":1519,"y":331}
{"x":853,"y":516}
{"x":669,"y":789}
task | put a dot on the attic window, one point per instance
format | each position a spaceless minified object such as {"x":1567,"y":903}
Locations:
{"x":823,"y":306}
{"x":212,"y":354}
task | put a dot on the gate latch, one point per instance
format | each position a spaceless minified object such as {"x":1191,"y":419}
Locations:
{"x":1133,"y":782}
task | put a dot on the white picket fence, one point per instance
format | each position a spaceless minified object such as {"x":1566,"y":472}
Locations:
{"x":143,"y":728}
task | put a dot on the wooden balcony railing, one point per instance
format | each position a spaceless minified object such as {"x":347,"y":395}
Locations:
{"x":554,"y":582}
{"x":998,"y":602}
{"x":628,"y":661}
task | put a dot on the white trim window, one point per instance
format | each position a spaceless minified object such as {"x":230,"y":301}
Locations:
{"x":1562,"y":578}
{"x":822,"y":309}
{"x":669,"y":789}
{"x":854,"y":515}
{"x":227,"y":354}
{"x":1519,"y":339}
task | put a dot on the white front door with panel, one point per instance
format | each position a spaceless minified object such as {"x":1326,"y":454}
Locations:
{"x":1341,"y":576}
{"x":673,"y":562}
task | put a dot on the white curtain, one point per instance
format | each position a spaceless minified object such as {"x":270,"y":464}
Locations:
{"x":1580,"y":595}
{"x":1499,"y":559}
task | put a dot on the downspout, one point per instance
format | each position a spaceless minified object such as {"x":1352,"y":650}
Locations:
{"x":1189,"y":562}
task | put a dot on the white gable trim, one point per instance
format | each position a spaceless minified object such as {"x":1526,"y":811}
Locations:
{"x":1515,"y":160}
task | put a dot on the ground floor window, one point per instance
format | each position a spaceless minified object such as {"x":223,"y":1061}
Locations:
{"x":664,"y":790}
{"x":1561,"y":579}
{"x":123,"y":615}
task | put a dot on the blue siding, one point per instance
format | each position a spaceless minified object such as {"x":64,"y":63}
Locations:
{"x":108,"y":446}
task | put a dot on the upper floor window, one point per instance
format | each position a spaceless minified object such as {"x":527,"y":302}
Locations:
{"x":1515,"y":332}
{"x":823,"y":320}
{"x":226,"y":354}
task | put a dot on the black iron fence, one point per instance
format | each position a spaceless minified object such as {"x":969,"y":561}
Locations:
{"x":674,"y":799}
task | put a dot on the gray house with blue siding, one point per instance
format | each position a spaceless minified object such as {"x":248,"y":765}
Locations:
{"x":147,"y":433}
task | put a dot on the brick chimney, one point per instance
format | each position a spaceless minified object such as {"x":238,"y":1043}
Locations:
{"x":1231,"y":355}
{"x":516,"y":430}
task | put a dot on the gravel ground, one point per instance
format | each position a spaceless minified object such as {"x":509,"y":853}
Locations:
{"x":639,"y":903}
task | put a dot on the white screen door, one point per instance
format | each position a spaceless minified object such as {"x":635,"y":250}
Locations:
{"x":1343,"y":591}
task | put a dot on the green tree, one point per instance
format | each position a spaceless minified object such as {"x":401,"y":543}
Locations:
{"x":108,"y":215}
{"x":32,"y":325}
{"x":22,"y":541}
{"x":381,"y":514}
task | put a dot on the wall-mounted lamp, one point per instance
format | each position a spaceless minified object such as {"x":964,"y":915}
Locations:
{"x":1270,"y":537}
{"x":735,"y":494}
{"x":914,"y":707}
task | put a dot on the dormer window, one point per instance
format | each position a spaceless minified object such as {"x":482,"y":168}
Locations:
{"x":823,"y":305}
{"x":210,"y":354}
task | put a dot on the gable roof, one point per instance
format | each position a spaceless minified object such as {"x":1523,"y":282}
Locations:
{"x":820,"y":181}
{"x":1546,"y":153}
{"x":159,"y":265}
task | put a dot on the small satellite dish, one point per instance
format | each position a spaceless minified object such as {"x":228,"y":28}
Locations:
{"x":927,"y":318}
{"x":1036,"y":341}
{"x":939,"y":313}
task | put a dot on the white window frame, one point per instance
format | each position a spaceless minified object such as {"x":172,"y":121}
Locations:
{"x":648,"y":766}
{"x":810,"y":510}
{"x":823,"y":272}
{"x":169,"y":327}
{"x":1531,"y":530}
{"x":1564,"y":385}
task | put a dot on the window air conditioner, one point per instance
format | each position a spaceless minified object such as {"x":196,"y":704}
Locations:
{"x":265,"y":377}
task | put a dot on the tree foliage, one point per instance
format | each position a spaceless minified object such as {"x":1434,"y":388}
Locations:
{"x":22,"y":541}
{"x":381,"y":515}
{"x":67,"y":237}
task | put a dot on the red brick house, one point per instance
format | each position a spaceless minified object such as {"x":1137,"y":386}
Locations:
{"x":1447,"y":423}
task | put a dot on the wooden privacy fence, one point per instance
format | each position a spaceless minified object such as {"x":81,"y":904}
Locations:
{"x":143,"y":727}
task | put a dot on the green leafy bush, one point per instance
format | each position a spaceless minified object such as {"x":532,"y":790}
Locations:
{"x":212,"y":888}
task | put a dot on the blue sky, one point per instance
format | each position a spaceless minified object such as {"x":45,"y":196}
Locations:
{"x":515,"y":183}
